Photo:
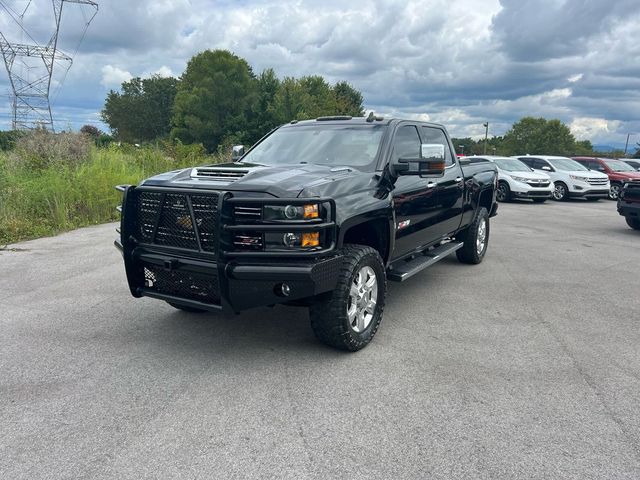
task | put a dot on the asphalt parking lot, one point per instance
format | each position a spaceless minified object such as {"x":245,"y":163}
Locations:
{"x":526,"y":366}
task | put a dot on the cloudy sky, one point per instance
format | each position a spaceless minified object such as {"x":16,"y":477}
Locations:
{"x":457,"y":62}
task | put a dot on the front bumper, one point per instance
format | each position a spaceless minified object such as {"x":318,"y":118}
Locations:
{"x":532,"y":194}
{"x":231,"y":286}
{"x":627,"y":209}
{"x":208,"y":274}
{"x":591,"y":193}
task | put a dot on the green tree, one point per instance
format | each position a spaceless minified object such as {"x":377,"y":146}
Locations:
{"x":539,"y":136}
{"x":142,"y":110}
{"x":583,"y":147}
{"x":348,"y":100}
{"x":214,"y":98}
{"x":263,"y":111}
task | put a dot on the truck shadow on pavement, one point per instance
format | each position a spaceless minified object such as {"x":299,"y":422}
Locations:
{"x":267,"y":329}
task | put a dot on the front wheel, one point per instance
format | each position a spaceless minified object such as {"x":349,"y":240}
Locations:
{"x":633,"y":222}
{"x":614,"y":191}
{"x":560,"y":191}
{"x":475,"y":239}
{"x":348,"y":317}
{"x":503,"y":193}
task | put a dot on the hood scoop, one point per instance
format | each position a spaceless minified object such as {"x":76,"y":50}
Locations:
{"x":220,"y":174}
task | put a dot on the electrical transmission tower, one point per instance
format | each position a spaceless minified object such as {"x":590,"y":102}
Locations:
{"x":30,"y":67}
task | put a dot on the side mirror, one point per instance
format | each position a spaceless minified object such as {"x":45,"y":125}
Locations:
{"x":546,"y":168}
{"x":431,"y":161}
{"x":237,"y":152}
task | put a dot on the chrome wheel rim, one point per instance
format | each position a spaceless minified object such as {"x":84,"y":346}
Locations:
{"x":614,"y":191}
{"x":363,"y":297}
{"x":559,"y":192}
{"x":502,"y":193}
{"x":481,"y":238}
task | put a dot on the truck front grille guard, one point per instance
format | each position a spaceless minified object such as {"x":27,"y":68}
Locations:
{"x":201,"y":222}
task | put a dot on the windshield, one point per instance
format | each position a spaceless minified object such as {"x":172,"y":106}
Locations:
{"x":567,"y":164}
{"x":321,"y":144}
{"x":619,"y":166}
{"x":511,"y":165}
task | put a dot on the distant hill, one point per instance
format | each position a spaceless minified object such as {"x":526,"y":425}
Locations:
{"x":607,"y":148}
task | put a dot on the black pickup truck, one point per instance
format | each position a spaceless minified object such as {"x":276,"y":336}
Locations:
{"x":318,"y":213}
{"x":629,"y":203}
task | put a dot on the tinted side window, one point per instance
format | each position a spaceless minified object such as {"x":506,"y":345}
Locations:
{"x":539,"y":164}
{"x":407,"y":143}
{"x":435,"y":135}
{"x":527,"y":161}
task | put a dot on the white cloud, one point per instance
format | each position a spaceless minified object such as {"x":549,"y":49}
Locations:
{"x":164,"y":71}
{"x":587,"y":128}
{"x":112,"y":77}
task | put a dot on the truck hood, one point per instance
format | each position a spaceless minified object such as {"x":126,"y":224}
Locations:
{"x":279,"y":181}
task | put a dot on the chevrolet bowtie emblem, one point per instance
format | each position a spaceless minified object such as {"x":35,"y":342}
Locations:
{"x":184,"y":222}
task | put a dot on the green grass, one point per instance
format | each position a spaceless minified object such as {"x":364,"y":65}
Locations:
{"x":37,"y":203}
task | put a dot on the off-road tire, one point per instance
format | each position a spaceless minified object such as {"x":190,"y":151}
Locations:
{"x":184,"y":308}
{"x":633,"y":222}
{"x":504,"y":192}
{"x":469,"y":251}
{"x":328,"y":315}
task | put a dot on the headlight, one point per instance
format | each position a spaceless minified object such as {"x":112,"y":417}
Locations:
{"x":580,"y":179}
{"x":292,"y":212}
{"x":520,"y":179}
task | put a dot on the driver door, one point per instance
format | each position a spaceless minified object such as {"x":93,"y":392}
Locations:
{"x":414,"y":198}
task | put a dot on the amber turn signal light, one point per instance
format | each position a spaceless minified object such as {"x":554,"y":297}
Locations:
{"x":311,"y":239}
{"x":311,"y":211}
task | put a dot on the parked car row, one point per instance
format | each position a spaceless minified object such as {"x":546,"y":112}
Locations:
{"x":540,"y":177}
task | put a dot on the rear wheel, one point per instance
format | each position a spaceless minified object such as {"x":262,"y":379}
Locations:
{"x":348,"y":317}
{"x":503,"y":193}
{"x":184,"y":308}
{"x":633,"y":222}
{"x":614,"y":191}
{"x":560,"y":192}
{"x":475,"y":238}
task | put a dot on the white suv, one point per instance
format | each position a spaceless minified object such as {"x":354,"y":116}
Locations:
{"x":570,"y":179}
{"x":516,"y":180}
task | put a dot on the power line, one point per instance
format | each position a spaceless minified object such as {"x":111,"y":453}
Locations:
{"x":31,"y":105}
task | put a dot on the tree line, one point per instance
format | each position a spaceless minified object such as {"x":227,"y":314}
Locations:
{"x":219,"y":100}
{"x":537,"y":136}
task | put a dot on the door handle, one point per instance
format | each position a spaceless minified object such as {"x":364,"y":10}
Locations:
{"x":458,"y":179}
{"x":431,"y":184}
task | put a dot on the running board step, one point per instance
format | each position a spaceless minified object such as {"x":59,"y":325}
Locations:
{"x":408,"y":268}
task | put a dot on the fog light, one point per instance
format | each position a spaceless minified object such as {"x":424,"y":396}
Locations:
{"x":291,"y":239}
{"x":282,"y":290}
{"x":311,"y":239}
